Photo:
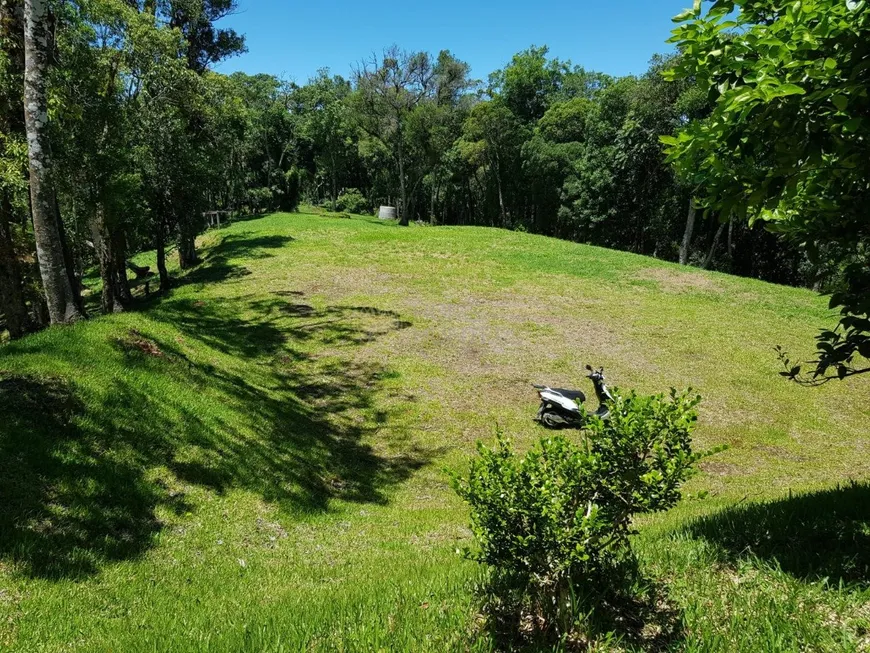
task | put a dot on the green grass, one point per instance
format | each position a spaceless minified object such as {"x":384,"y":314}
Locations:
{"x":256,"y":462}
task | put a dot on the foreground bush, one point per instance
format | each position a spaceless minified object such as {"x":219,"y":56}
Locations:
{"x":552,"y":526}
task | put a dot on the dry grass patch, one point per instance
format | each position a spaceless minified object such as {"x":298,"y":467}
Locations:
{"x":679,"y":281}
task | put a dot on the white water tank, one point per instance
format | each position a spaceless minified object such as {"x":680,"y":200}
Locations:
{"x":387,"y":213}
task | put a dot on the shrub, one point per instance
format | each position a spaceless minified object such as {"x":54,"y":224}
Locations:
{"x":553,"y":525}
{"x":291,"y":191}
{"x":259,"y":198}
{"x":351,"y":200}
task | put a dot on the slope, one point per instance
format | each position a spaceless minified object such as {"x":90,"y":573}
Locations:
{"x":256,"y":462}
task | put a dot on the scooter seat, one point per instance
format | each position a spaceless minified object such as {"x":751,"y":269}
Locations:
{"x":573,"y":395}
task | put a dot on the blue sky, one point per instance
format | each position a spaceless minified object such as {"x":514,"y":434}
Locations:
{"x":293,"y":39}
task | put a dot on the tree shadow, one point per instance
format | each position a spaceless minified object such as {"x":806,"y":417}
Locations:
{"x":247,"y":217}
{"x":86,"y":472}
{"x":221,"y":259}
{"x":822,"y":535}
{"x":68,"y":504}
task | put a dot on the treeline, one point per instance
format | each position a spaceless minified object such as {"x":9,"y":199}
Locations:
{"x":541,"y":146}
{"x":116,"y":136}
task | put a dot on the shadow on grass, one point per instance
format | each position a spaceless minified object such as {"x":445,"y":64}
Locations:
{"x":221,"y":259}
{"x":381,"y":222}
{"x":816,"y":536}
{"x":88,"y":466}
{"x":67,"y":498}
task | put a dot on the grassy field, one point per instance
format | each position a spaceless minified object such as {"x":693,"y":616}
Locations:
{"x":257,"y":462}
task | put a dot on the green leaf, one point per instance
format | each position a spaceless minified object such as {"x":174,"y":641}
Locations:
{"x":669,"y":140}
{"x":684,"y":16}
{"x":841,"y":102}
{"x":830,"y":64}
{"x":852,"y":125}
{"x":776,"y":227}
{"x":788,"y":89}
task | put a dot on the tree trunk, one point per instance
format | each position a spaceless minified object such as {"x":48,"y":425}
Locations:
{"x":187,"y":250}
{"x":59,"y":294}
{"x":334,"y":185}
{"x":106,"y":259}
{"x":500,"y":195}
{"x":469,"y":197}
{"x":160,"y":246}
{"x":709,"y":258}
{"x":69,"y":260}
{"x":731,"y":237}
{"x":403,"y":211}
{"x":687,"y":235}
{"x":119,"y":251}
{"x":432,"y":219}
{"x":39,"y":312}
{"x":11,"y":289}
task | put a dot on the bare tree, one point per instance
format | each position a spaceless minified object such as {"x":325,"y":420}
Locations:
{"x":388,"y":92}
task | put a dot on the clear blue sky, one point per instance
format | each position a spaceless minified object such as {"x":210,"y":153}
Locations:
{"x":292,"y":38}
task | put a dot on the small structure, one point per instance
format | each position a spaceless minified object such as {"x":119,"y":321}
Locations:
{"x":140,"y":272}
{"x":387,"y":213}
{"x":214,"y":217}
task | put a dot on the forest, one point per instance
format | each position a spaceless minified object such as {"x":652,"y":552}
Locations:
{"x":139,"y":139}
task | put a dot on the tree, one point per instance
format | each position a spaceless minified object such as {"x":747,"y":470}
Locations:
{"x":91,"y":141}
{"x":492,"y":131}
{"x":529,"y":84}
{"x":195,"y":19}
{"x":786,"y":143}
{"x":436,"y":124}
{"x":62,"y":304}
{"x":171,"y":44}
{"x":205,"y":45}
{"x":326,"y":125}
{"x":388,"y":92}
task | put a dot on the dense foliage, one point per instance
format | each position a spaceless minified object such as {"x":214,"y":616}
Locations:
{"x":786,"y":143}
{"x":146,"y":141}
{"x":553,"y":525}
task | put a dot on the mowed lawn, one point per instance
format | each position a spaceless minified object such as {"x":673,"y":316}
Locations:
{"x":258,"y":462}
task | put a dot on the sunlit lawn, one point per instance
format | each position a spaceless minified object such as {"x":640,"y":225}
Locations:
{"x":257,"y":462}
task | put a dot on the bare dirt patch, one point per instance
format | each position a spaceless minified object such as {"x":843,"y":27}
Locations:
{"x":679,"y":281}
{"x":134,"y":341}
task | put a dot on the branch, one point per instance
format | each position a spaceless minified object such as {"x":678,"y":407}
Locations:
{"x":820,"y":376}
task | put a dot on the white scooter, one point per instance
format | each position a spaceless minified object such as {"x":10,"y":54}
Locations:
{"x":561,"y":408}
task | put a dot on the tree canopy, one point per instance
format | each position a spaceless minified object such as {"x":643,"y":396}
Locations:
{"x":786,"y":143}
